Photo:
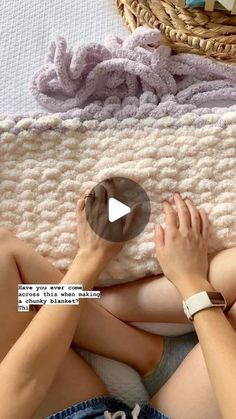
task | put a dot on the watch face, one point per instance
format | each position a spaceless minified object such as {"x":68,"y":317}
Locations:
{"x":216,"y":297}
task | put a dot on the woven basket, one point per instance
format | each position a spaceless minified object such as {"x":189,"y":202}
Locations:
{"x":185,"y":30}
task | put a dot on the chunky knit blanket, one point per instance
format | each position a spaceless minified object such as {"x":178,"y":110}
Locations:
{"x":48,"y":161}
{"x":155,"y":136}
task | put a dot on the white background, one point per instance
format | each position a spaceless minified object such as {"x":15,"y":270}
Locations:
{"x":26,"y":29}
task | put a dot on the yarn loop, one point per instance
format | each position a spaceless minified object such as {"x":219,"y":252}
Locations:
{"x":73,"y":78}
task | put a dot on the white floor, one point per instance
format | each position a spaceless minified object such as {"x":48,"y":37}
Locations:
{"x":28,"y":26}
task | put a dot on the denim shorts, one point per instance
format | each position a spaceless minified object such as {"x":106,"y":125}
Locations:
{"x":95,"y":409}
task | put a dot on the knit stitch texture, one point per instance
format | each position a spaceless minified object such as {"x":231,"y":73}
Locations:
{"x":149,"y":130}
{"x":47,"y":162}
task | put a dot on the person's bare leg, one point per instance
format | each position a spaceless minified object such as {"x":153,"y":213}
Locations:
{"x":53,"y":274}
{"x":74,"y":382}
{"x":150,"y":299}
{"x":33,"y":268}
{"x":74,"y":374}
{"x":155,"y":299}
{"x":188,"y":393}
{"x":118,"y":340}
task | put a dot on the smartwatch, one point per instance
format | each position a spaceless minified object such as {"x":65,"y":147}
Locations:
{"x":202,"y":301}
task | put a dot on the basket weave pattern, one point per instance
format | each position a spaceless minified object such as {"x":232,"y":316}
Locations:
{"x":185,"y":30}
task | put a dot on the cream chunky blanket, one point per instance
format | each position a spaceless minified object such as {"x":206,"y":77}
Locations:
{"x":48,"y":161}
{"x":159,"y":138}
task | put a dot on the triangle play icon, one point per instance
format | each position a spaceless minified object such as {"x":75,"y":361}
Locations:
{"x":116,"y":209}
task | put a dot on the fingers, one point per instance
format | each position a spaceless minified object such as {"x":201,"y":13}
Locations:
{"x":101,"y":194}
{"x":205,"y":223}
{"x":88,"y":200}
{"x":170,"y":215}
{"x":130,"y":218}
{"x":195,"y":216}
{"x":80,"y":204}
{"x":183,"y":212}
{"x":110,"y":188}
{"x":188,"y":216}
{"x":159,"y":236}
{"x":79,"y":207}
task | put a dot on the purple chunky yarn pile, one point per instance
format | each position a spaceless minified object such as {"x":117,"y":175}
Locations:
{"x":75,"y":78}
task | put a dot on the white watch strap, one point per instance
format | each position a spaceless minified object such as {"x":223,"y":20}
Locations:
{"x":197,"y":302}
{"x":201,"y":301}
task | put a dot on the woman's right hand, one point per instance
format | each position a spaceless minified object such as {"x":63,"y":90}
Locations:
{"x":97,"y":211}
{"x":181,"y":248}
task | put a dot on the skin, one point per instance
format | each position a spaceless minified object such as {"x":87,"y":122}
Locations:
{"x":188,"y":232}
{"x":155,"y":297}
{"x":15,"y":257}
{"x":35,"y":392}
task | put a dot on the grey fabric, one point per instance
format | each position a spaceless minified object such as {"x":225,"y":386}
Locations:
{"x":176,"y":348}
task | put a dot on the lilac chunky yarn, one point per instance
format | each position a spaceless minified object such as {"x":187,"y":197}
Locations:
{"x":127,"y":68}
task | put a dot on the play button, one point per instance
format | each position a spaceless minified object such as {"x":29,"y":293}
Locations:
{"x":117,"y":209}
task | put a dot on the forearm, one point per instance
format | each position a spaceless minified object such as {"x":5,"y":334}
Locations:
{"x":28,"y":369}
{"x":218,"y":342}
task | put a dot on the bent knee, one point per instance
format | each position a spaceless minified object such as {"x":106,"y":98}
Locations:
{"x":7,"y":241}
{"x":5,"y":235}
